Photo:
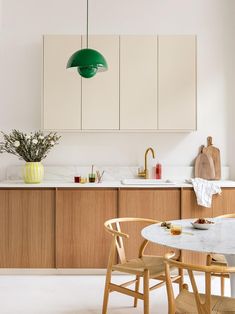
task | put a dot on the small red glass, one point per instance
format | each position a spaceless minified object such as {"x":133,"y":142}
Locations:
{"x":158,"y":171}
{"x":77,"y":179}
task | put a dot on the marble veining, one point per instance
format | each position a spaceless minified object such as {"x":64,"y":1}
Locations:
{"x":67,"y":173}
{"x":111,"y":173}
{"x":218,"y":239}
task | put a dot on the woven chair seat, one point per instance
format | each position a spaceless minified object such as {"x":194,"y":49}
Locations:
{"x":218,"y":259}
{"x":155,"y":265}
{"x":185,"y":303}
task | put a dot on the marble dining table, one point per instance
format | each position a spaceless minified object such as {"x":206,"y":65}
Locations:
{"x":218,"y":239}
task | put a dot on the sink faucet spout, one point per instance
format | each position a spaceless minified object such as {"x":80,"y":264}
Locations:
{"x":145,"y":173}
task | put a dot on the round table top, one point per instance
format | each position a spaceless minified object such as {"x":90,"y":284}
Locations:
{"x":220,"y":238}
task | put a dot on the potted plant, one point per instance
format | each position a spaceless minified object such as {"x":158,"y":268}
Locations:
{"x":32,"y":148}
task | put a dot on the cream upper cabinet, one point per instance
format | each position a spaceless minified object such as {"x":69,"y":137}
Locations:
{"x":100,"y":94}
{"x":150,"y":84}
{"x":138,"y":82}
{"x":61,"y":87}
{"x":177,"y":82}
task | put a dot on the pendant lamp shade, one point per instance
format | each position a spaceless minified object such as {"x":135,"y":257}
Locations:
{"x":87,"y":61}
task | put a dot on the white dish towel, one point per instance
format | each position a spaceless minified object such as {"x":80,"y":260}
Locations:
{"x":204,"y":191}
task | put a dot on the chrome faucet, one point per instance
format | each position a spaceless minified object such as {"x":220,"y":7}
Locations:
{"x":145,"y":172}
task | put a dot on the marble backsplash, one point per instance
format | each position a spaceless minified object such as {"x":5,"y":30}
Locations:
{"x":67,"y":173}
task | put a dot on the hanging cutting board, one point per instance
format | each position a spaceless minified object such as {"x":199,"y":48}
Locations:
{"x":204,"y":166}
{"x":214,"y":152}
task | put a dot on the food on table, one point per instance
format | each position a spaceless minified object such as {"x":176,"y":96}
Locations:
{"x":166,"y":224}
{"x":203,"y":221}
{"x":176,"y":230}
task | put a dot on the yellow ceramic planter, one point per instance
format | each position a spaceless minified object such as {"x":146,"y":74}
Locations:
{"x":33,"y":172}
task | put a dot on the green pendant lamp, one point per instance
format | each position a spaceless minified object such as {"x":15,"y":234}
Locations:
{"x":87,"y":61}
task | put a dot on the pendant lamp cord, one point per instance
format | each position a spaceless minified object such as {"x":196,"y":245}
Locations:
{"x":87,"y":9}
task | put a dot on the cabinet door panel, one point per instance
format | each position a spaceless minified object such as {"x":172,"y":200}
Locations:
{"x":161,"y":204}
{"x":138,"y":82}
{"x":27,"y":229}
{"x":177,"y":82}
{"x":100,"y":94}
{"x":81,"y":241}
{"x":224,"y":203}
{"x":221,"y":204}
{"x":62,"y":87}
{"x":190,"y":209}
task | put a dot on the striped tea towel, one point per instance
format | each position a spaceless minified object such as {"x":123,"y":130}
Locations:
{"x":204,"y":190}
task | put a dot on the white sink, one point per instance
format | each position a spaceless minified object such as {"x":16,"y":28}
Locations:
{"x":146,"y":182}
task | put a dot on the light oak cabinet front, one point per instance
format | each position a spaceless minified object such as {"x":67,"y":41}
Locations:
{"x":64,"y":228}
{"x":221,"y":204}
{"x":81,"y":241}
{"x":159,"y":204}
{"x":27,"y":228}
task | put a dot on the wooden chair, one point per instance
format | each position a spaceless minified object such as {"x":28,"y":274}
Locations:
{"x":219,"y":260}
{"x":193,"y":302}
{"x":145,"y":266}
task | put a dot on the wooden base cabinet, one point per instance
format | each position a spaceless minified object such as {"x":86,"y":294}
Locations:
{"x":160,"y":204}
{"x":27,"y":228}
{"x":81,"y":241}
{"x":221,"y":204}
{"x":64,"y":228}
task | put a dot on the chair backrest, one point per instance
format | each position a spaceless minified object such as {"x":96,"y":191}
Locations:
{"x":203,"y":306}
{"x":113,"y":226}
{"x":226,"y":216}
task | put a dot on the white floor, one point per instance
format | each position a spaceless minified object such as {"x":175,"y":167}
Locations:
{"x":72,"y":295}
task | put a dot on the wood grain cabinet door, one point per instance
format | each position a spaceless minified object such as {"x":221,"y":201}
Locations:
{"x":160,"y":204}
{"x":81,"y":241}
{"x":27,"y":228}
{"x":221,"y":204}
{"x":190,"y":209}
{"x":224,"y":203}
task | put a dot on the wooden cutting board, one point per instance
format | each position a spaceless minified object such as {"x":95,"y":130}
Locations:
{"x":204,"y":166}
{"x":214,"y":152}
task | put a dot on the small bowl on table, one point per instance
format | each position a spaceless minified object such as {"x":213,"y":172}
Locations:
{"x":202,"y":224}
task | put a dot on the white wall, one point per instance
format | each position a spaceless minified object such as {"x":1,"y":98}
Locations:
{"x":22,"y":25}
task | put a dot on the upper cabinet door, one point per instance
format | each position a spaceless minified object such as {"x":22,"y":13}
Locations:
{"x":100,"y":94}
{"x":177,"y":82}
{"x":62,"y":87}
{"x":150,"y":84}
{"x":138,"y":82}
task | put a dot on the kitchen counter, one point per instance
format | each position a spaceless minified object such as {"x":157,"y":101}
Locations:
{"x":105,"y":184}
{"x":39,"y":220}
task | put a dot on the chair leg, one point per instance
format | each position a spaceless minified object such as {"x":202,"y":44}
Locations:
{"x":106,"y":291}
{"x":181,"y":280}
{"x":146,"y":291}
{"x":181,"y":274}
{"x":222,"y":279}
{"x":137,"y":285}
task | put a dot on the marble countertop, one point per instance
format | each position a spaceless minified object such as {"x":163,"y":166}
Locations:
{"x":104,"y":184}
